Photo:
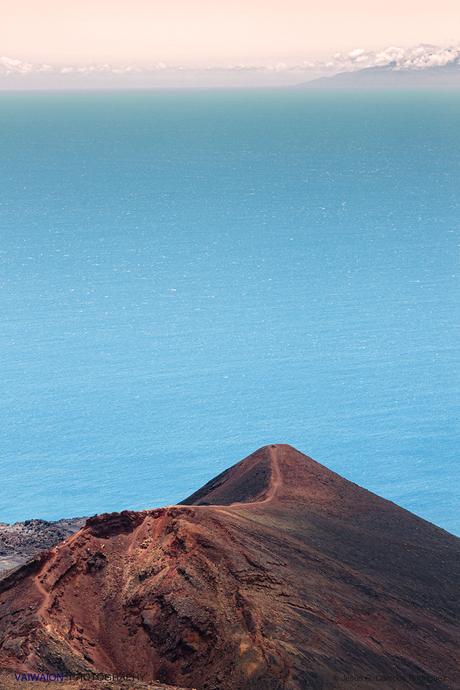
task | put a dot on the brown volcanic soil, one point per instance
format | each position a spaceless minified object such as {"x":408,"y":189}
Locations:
{"x":284,"y":577}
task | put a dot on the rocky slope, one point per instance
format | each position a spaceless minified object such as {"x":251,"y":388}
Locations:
{"x":23,"y":540}
{"x":277,"y":575}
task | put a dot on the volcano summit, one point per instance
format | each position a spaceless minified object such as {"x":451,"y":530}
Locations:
{"x":277,"y":575}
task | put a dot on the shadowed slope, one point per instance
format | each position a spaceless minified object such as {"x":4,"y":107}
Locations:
{"x":278,"y":574}
{"x":246,"y":482}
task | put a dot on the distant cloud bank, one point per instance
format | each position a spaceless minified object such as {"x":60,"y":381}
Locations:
{"x":16,"y":73}
{"x":10,"y":66}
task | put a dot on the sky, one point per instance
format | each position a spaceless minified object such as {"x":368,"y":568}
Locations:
{"x":210,"y":42}
{"x":213,"y":32}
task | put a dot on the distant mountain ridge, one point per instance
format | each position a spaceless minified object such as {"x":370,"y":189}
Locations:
{"x":391,"y":76}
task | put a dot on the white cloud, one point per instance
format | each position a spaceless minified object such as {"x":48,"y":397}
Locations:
{"x":416,"y":58}
{"x":12,"y":66}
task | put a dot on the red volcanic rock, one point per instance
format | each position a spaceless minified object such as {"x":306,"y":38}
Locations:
{"x":277,"y":575}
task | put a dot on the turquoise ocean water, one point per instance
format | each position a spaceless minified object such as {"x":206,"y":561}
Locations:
{"x":185,"y":276}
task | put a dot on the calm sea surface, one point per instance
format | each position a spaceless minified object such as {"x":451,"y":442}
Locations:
{"x":186,"y":276}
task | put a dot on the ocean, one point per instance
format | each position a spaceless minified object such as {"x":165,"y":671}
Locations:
{"x":188,"y":275}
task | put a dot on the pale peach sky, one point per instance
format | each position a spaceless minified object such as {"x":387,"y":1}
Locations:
{"x":197,"y":32}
